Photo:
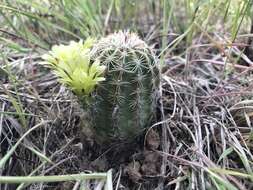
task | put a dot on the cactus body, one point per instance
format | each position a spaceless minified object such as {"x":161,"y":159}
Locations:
{"x":124,"y":103}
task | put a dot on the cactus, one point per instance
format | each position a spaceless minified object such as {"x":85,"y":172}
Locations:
{"x":115,"y":79}
{"x":124,"y":103}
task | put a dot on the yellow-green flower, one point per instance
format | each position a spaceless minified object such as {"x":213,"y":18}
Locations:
{"x":71,"y":63}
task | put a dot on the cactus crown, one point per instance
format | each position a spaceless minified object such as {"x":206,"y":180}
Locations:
{"x":125,"y":51}
{"x":122,"y":40}
{"x":71,"y":63}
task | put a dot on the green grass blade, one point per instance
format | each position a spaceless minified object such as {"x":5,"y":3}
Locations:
{"x":13,"y":148}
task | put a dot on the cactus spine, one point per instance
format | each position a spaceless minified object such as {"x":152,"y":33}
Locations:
{"x":125,"y":102}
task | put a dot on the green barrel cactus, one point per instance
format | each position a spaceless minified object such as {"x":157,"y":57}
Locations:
{"x":124,"y":103}
{"x":115,"y":79}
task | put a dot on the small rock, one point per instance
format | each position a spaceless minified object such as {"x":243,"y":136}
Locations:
{"x":100,"y":164}
{"x":151,"y":164}
{"x":153,"y":140}
{"x":149,"y":169}
{"x":132,"y":170}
